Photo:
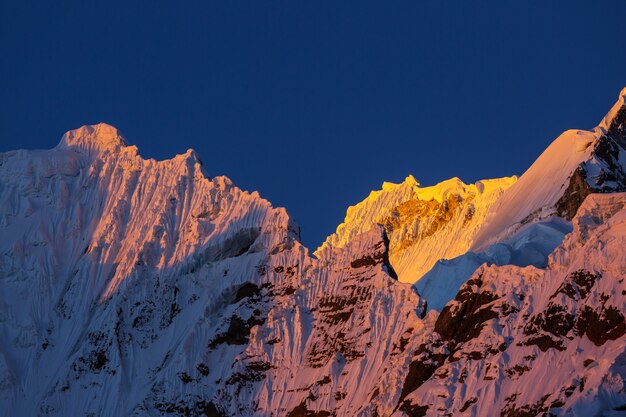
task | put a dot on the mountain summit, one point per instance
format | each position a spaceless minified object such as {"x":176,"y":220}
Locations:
{"x":100,"y":136}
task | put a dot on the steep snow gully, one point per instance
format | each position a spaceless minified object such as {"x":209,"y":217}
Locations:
{"x":133,"y":287}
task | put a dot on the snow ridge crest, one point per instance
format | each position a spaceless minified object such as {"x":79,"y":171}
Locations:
{"x":98,"y":137}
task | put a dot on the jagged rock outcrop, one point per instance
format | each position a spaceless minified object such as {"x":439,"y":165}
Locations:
{"x":424,"y":224}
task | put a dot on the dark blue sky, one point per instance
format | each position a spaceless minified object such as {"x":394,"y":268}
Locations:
{"x":314,"y":104}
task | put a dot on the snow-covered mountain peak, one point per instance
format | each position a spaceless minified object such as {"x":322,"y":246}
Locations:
{"x":426,"y":224}
{"x":409,"y":181}
{"x":369,"y":212}
{"x":533,"y":191}
{"x":616,"y":115}
{"x":576,"y":164}
{"x":96,"y":137}
{"x":418,"y":219}
{"x":192,"y":155}
{"x":105,"y":142}
{"x":456,"y":187}
{"x":130,"y":215}
{"x":118,"y":272}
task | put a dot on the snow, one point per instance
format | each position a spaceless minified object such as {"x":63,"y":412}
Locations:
{"x":408,"y":210}
{"x":530,"y":245}
{"x":543,"y":184}
{"x":606,"y":120}
{"x":118,"y":273}
{"x":521,"y":375}
{"x":539,"y":188}
{"x":488,"y":212}
{"x":89,"y":224}
{"x":134,"y":287}
{"x":98,"y":137}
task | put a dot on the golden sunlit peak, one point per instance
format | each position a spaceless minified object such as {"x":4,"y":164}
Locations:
{"x":101,"y":136}
{"x":408,"y":181}
{"x":605,"y":123}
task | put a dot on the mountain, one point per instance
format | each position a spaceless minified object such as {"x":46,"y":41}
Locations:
{"x":441,"y":234}
{"x":577,"y":163}
{"x":137,"y":287}
{"x":133,"y":287}
{"x":527,"y":341}
{"x":423,"y":224}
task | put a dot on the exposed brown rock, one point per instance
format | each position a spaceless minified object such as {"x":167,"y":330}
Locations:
{"x":302,"y":411}
{"x":414,"y":410}
{"x":555,"y":319}
{"x":421,"y":369}
{"x":578,"y":284}
{"x":601,"y":325}
{"x":238,"y":331}
{"x":462,"y":322}
{"x":526,"y":410}
{"x":468,"y":404}
{"x":543,"y":342}
{"x":575,"y":193}
{"x":247,"y":290}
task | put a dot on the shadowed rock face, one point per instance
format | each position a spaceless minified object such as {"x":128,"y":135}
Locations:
{"x":577,"y":190}
{"x":601,"y":324}
{"x":302,"y":411}
{"x":427,"y":361}
{"x":462,"y":321}
{"x":617,"y":128}
{"x":611,"y":176}
{"x":577,"y":285}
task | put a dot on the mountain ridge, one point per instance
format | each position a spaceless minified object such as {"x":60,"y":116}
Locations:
{"x":135,"y":287}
